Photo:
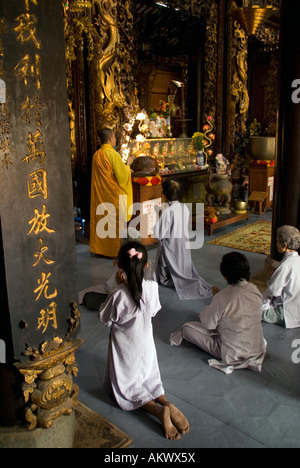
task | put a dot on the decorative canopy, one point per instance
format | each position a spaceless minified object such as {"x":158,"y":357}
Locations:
{"x":252,"y":17}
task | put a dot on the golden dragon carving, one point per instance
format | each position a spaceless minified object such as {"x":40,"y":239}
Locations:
{"x":109,"y":95}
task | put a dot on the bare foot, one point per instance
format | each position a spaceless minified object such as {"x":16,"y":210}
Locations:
{"x":178,"y":419}
{"x":165,"y":417}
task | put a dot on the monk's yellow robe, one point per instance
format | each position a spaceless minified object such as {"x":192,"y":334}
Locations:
{"x":109,"y":214}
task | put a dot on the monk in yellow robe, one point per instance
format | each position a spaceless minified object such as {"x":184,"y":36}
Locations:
{"x":111,"y":197}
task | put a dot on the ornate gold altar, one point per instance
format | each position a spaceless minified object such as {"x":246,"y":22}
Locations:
{"x":101,"y":49}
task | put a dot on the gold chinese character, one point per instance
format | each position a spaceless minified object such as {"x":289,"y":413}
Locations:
{"x":4,"y":109}
{"x":27,"y":3}
{"x":32,"y":106}
{"x":6,"y":161}
{"x":39,"y":222}
{"x":35,"y":148}
{"x":5,"y":145}
{"x":4,"y":127}
{"x":43,"y":287}
{"x":40,"y":254}
{"x":27,"y":29}
{"x":37,"y":184}
{"x":47,"y":316}
{"x":26,"y":69}
{"x":6,"y":148}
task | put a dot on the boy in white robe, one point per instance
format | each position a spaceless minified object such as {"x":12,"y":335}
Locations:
{"x":174,"y":266}
{"x":282,"y":298}
{"x":230,"y":327}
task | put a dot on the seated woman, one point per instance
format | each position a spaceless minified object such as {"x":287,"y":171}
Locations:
{"x":173,"y":266}
{"x":230,"y":327}
{"x":281,"y":300}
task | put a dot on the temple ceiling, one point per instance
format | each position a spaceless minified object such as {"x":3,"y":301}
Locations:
{"x":166,"y":29}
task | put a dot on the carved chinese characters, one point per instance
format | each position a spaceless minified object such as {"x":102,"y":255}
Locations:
{"x":36,"y":203}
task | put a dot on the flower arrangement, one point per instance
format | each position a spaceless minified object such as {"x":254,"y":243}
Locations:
{"x":165,"y":108}
{"x":198,"y":141}
{"x":203,"y":141}
{"x":169,"y":108}
{"x":210,"y":137}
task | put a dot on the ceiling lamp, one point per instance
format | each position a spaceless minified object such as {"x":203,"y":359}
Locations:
{"x":252,"y":17}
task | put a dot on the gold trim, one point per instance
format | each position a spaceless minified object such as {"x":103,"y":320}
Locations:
{"x":48,"y":386}
{"x":252,"y":17}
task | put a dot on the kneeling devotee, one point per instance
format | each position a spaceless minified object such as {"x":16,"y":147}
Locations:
{"x":174,"y":267}
{"x":230,"y":327}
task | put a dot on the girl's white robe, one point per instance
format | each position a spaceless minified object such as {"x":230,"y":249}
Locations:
{"x":132,"y":371}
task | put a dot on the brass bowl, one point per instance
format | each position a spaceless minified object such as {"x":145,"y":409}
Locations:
{"x":262,"y":148}
{"x":144,"y":166}
{"x":240,"y":205}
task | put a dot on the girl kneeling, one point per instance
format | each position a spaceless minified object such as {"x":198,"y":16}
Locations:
{"x":132,"y":372}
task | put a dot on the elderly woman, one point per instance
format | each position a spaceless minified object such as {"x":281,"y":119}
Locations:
{"x":281,"y":300}
{"x":230,"y":327}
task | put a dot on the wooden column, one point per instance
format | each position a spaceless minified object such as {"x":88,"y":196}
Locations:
{"x":287,"y":187}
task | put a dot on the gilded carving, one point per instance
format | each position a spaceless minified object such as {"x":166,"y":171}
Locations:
{"x":210,"y":65}
{"x":78,"y":38}
{"x":268,"y":35}
{"x":73,"y":320}
{"x":239,"y":81}
{"x":109,"y":95}
{"x":78,"y":28}
{"x":30,"y":377}
{"x":102,"y":32}
{"x":48,"y":386}
{"x":72,"y":124}
{"x":52,"y":392}
{"x":271,"y":97}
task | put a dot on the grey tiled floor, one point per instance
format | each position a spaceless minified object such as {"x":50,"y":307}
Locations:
{"x":245,"y":409}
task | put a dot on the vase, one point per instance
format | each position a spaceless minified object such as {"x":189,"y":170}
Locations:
{"x":200,"y":158}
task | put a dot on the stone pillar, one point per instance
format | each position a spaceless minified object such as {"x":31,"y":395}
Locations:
{"x":287,"y":177}
{"x":39,"y":318}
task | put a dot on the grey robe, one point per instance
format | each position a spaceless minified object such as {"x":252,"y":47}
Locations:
{"x":233,"y":321}
{"x":174,"y":266}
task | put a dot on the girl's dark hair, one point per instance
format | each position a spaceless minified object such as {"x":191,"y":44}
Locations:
{"x":134,"y":268}
{"x":171,"y":189}
{"x":235,"y":267}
